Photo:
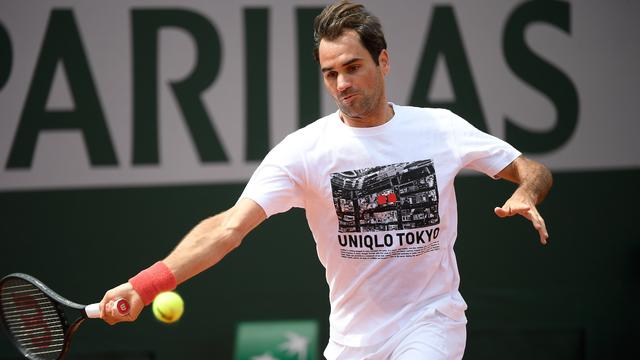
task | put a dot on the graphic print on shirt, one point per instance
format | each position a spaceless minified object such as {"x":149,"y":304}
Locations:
{"x":399,"y":198}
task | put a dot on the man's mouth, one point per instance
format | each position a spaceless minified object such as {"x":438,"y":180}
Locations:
{"x":347,"y":98}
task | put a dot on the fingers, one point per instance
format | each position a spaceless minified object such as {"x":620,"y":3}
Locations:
{"x":511,"y":208}
{"x":111,"y":314}
{"x":539,"y":224}
{"x":502,"y":212}
{"x":109,"y":311}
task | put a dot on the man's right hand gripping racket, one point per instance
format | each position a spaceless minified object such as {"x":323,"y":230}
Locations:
{"x":38,"y":321}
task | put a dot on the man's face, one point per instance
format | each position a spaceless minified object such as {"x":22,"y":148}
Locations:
{"x":351,"y":76}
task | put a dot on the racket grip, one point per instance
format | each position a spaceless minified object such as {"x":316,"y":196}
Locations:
{"x":93,"y":310}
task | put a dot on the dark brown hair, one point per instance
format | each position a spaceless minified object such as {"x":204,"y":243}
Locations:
{"x":343,"y":15}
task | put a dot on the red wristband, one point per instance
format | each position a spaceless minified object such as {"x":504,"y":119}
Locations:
{"x":152,"y":281}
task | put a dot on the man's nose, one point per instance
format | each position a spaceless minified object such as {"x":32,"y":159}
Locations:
{"x":344,"y":83}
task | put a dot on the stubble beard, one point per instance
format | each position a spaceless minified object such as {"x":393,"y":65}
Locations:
{"x":360,"y":108}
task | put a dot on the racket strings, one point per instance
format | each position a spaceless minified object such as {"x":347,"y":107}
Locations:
{"x":33,"y":319}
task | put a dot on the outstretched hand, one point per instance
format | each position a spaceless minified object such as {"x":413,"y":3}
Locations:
{"x":534,"y":181}
{"x":527,"y":209}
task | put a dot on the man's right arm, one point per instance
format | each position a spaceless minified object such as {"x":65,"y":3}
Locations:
{"x":204,"y":246}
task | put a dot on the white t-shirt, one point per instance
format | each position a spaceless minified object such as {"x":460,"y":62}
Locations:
{"x":381,"y":206}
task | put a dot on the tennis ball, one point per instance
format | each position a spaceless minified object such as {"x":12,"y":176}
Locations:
{"x":168,"y":307}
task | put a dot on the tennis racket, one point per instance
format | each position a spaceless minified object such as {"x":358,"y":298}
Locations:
{"x":38,"y":321}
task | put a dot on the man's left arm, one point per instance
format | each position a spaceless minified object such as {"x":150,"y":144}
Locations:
{"x":534,"y":182}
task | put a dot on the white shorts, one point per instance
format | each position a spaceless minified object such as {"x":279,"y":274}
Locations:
{"x":435,"y":336}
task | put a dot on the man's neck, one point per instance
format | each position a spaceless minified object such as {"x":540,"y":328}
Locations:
{"x":380,"y":117}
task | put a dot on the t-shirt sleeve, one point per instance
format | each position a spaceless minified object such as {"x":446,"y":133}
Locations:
{"x":276,"y":183}
{"x":480,"y":151}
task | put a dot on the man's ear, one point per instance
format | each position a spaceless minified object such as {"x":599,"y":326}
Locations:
{"x":383,"y":61}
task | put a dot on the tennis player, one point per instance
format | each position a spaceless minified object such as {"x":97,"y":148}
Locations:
{"x":376,"y":180}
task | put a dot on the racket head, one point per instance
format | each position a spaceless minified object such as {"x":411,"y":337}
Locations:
{"x":33,"y":317}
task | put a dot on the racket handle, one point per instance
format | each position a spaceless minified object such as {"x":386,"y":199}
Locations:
{"x":93,"y":310}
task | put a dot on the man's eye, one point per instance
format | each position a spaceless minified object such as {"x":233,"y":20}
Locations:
{"x":353,"y":68}
{"x":330,"y":75}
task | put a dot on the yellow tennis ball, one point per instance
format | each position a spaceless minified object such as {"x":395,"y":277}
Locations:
{"x":168,"y":307}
